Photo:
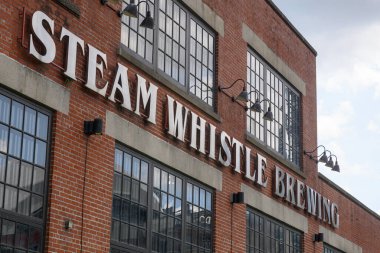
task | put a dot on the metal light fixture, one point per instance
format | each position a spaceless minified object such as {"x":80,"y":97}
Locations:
{"x":324,"y":158}
{"x":237,"y":198}
{"x":132,"y":11}
{"x":268,"y":115}
{"x":93,"y":127}
{"x":243,"y":95}
{"x":256,"y":107}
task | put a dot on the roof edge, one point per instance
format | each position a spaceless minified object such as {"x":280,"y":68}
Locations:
{"x":348,"y":195}
{"x":291,"y":26}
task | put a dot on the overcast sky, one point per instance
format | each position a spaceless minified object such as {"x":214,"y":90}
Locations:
{"x":346,"y":35}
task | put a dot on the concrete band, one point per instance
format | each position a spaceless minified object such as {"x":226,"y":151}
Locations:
{"x":259,"y":45}
{"x":272,"y":208}
{"x":339,"y":242}
{"x":33,"y":85}
{"x":145,"y":142}
{"x":208,"y":15}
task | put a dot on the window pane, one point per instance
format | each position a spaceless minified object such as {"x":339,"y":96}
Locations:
{"x":10,"y":199}
{"x":42,"y":126}
{"x":3,"y":160}
{"x":3,"y":138}
{"x":40,"y":153}
{"x":8,"y":230}
{"x":22,"y":236}
{"x":28,"y":148}
{"x":17,"y":115}
{"x":36,"y":207}
{"x":30,"y":121}
{"x":4,"y":109}
{"x":23,"y":202}
{"x":35,"y":239}
{"x":15,"y":143}
{"x":13,"y":171}
{"x":38,"y":180}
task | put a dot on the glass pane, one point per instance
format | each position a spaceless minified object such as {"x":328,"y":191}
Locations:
{"x":10,"y":199}
{"x":189,"y":193}
{"x":135,"y":190}
{"x":164,"y":181}
{"x":28,"y":148}
{"x":117,"y":184}
{"x":156,"y":178}
{"x":134,"y":211}
{"x":36,"y":208}
{"x":116,"y":207}
{"x":127,"y":164}
{"x":4,"y":109}
{"x":178,"y":186}
{"x":136,"y":168}
{"x":125,"y":210}
{"x":3,"y":138}
{"x":17,"y":115}
{"x":35,"y":239}
{"x":143,"y":194}
{"x":38,"y":180}
{"x":42,"y":126}
{"x":133,"y":235}
{"x":118,"y":160}
{"x":15,"y":143}
{"x":126,"y":193}
{"x":144,"y":172}
{"x":171,"y":184}
{"x":3,"y":160}
{"x":30,"y":121}
{"x":22,"y":236}
{"x":124,"y":232}
{"x":115,"y":228}
{"x":208,"y":201}
{"x":40,"y":154}
{"x":8,"y":230}
{"x":23,"y":202}
{"x":142,"y":216}
{"x":13,"y":171}
{"x":1,"y":195}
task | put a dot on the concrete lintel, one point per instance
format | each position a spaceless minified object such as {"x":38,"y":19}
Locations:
{"x":338,"y":241}
{"x":208,"y":15}
{"x":147,"y":143}
{"x":32,"y":84}
{"x":272,"y":208}
{"x":259,"y":45}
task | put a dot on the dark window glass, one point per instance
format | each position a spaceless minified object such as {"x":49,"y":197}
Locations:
{"x":185,"y":47}
{"x":24,"y":141}
{"x":266,"y":235}
{"x":155,"y":200}
{"x":329,"y":249}
{"x":283,"y":133}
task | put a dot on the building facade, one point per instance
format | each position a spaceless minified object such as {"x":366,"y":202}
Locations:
{"x":134,"y":134}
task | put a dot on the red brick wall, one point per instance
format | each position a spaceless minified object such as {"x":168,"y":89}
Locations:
{"x":99,"y":26}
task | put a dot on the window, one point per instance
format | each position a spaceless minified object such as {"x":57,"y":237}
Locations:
{"x":267,"y":235}
{"x":283,"y":133}
{"x":157,"y":210}
{"x":328,"y":249}
{"x":24,"y":140}
{"x":180,"y":46}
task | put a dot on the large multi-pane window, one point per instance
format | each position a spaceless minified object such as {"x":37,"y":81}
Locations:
{"x":157,"y":210}
{"x":267,"y":235}
{"x":24,"y":140}
{"x":329,"y":249}
{"x":180,"y":46}
{"x":283,"y":133}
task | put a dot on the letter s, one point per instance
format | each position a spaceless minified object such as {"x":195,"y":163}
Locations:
{"x":43,"y":35}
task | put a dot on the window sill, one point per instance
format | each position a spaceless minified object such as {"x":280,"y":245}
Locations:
{"x":126,"y":54}
{"x":250,"y":138}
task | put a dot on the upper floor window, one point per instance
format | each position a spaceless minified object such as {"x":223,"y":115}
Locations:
{"x":180,"y":46}
{"x":267,"y":235}
{"x":24,"y":140}
{"x":157,"y":210}
{"x":328,"y":249}
{"x":283,"y":133}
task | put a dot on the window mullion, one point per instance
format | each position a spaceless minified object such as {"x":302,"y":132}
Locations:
{"x":187,"y":53}
{"x":156,"y":30}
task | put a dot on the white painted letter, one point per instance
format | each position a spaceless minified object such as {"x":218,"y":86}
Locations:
{"x":226,"y":143}
{"x":335,"y":215}
{"x":311,"y":200}
{"x":248,"y":172}
{"x":121,"y":83}
{"x":280,"y":186}
{"x":202,"y":132}
{"x":177,"y":123}
{"x":290,"y":182}
{"x":92,"y":66}
{"x":146,"y":95}
{"x":261,"y":166}
{"x":300,"y":193}
{"x":39,"y":30}
{"x":238,"y":148}
{"x":212,"y":142}
{"x":71,"y":52}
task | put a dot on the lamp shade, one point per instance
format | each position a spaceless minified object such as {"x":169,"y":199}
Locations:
{"x":336,"y":167}
{"x":131,"y":10}
{"x":243,"y":96}
{"x":148,"y":21}
{"x":268,"y":115}
{"x":323,"y":158}
{"x":330,"y":163}
{"x":256,"y":107}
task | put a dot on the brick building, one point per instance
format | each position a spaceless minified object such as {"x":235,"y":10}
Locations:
{"x":179,"y":138}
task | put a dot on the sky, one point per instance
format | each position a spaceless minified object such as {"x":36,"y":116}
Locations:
{"x":346,"y":35}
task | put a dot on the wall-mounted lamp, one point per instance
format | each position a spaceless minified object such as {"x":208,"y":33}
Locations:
{"x":256,"y":107}
{"x":132,"y":11}
{"x":324,"y":158}
{"x":243,"y":95}
{"x":93,"y":127}
{"x":237,"y":198}
{"x":69,"y":224}
{"x":318,"y":237}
